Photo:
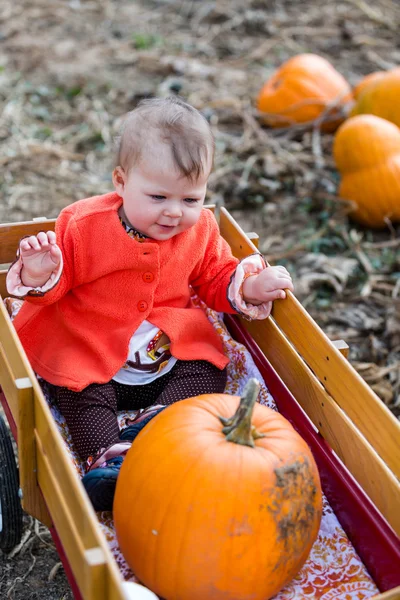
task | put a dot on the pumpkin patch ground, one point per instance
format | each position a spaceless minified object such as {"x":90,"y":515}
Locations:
{"x":69,"y":69}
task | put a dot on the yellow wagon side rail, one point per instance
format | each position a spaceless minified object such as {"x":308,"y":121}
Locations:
{"x":46,"y":472}
{"x":393,"y":594}
{"x":340,"y":404}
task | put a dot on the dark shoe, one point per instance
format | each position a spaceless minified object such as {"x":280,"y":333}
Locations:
{"x":129,"y":433}
{"x":100,"y":483}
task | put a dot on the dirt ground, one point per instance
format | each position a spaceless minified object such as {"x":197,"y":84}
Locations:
{"x":69,"y":70}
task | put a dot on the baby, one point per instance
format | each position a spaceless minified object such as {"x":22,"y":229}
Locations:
{"x":109,"y":320}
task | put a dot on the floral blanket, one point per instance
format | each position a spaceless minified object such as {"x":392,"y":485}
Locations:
{"x":333,"y":570}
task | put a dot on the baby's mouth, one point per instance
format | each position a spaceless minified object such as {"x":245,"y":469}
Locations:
{"x":166,"y":226}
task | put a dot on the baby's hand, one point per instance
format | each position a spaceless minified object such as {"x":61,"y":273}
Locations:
{"x":268,"y":285}
{"x":40,"y":257}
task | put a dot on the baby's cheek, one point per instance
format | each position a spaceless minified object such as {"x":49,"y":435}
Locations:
{"x":193,"y":218}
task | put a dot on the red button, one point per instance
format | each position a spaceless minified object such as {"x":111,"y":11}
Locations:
{"x":142,"y":306}
{"x":148,"y":277}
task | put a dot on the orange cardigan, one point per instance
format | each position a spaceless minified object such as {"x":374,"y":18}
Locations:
{"x":78,"y":332}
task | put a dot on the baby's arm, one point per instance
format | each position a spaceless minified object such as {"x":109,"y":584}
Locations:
{"x":40,"y":257}
{"x":266,"y":286}
{"x":35,"y":274}
{"x":48,"y":259}
{"x":248,"y":287}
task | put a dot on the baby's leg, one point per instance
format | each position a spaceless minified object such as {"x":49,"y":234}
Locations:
{"x":186,"y":379}
{"x":135,"y":397}
{"x":91,"y":416}
{"x":191,"y":378}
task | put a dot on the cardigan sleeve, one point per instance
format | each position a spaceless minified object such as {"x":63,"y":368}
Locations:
{"x":60,"y":282}
{"x":219,"y":278}
{"x":248,"y":266}
{"x":212,"y":275}
{"x":16,"y":287}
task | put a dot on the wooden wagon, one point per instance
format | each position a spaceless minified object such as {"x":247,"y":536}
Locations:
{"x":354,"y":437}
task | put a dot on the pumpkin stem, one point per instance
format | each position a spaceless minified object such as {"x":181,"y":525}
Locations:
{"x":238,"y":428}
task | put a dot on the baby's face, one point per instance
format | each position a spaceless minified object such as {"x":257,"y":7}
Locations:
{"x":157,"y":200}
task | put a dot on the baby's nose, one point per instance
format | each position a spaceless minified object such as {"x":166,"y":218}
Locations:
{"x":173,"y":209}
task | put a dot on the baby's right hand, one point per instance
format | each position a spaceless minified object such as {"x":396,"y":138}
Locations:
{"x":40,"y":257}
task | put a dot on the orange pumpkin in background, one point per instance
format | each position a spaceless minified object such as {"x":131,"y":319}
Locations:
{"x":366,"y":150}
{"x":366,"y":81}
{"x":210,"y":506}
{"x":380,"y":97}
{"x":301,"y":90}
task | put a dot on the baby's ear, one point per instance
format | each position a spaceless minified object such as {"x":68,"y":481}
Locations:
{"x":119,"y":178}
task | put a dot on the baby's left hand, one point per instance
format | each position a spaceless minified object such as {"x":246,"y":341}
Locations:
{"x":268,"y":285}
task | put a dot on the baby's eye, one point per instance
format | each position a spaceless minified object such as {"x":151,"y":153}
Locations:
{"x":157,"y":197}
{"x":191,"y":200}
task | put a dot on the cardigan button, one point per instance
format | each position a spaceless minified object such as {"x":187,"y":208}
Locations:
{"x":142,"y":306}
{"x":148,"y":277}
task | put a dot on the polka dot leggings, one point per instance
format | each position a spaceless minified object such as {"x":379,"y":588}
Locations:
{"x":91,"y":414}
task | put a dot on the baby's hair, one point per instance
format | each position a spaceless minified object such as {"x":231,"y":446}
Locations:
{"x":171,"y":121}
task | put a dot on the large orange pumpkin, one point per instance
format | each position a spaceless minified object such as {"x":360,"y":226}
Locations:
{"x":214,"y":507}
{"x":301,"y":90}
{"x":366,"y":150}
{"x":381,"y":97}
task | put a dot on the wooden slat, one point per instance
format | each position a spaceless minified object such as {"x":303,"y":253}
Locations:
{"x":76,"y":506}
{"x":240,"y":244}
{"x":87,"y":574}
{"x":11,"y":345}
{"x":16,"y":380}
{"x":63,"y":471}
{"x":253,"y":237}
{"x":341,"y":380}
{"x":95,"y":574}
{"x":3,"y":289}
{"x":344,"y":438}
{"x":393,"y":594}
{"x":32,"y":500}
{"x":342,"y":347}
{"x":7,"y":383}
{"x":95,"y":577}
{"x":11,"y":233}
